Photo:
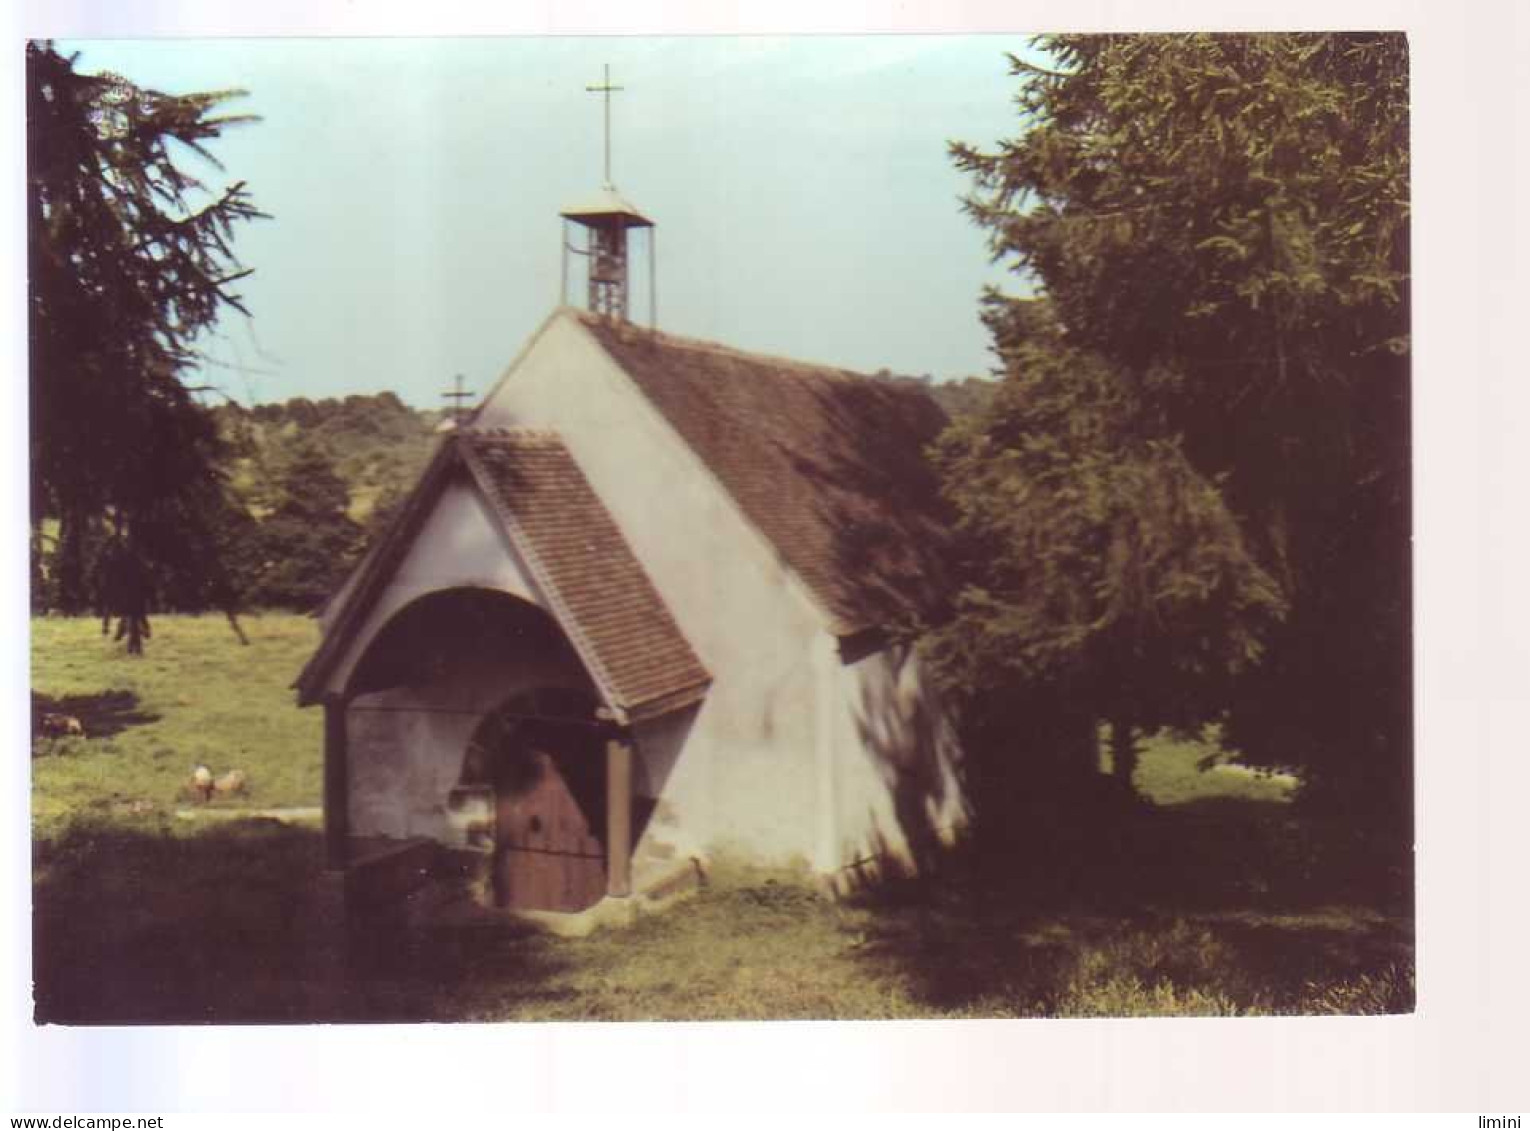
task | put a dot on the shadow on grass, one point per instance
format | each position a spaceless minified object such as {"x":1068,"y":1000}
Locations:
{"x":148,"y":924}
{"x":1228,"y":908}
{"x":101,"y":715}
{"x":1162,"y":912}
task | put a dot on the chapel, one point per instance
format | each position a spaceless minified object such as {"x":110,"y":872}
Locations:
{"x":647,"y":608}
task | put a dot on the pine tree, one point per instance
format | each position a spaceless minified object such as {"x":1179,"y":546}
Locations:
{"x":1221,"y":223}
{"x":309,"y":543}
{"x":129,"y":263}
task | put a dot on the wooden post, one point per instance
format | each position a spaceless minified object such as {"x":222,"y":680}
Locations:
{"x":618,"y":817}
{"x":336,"y":794}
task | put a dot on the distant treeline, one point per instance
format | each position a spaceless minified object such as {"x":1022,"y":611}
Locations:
{"x":958,"y":398}
{"x":309,"y":482}
{"x":319,"y":478}
{"x":314,"y":480}
{"x":305,"y":484}
{"x":376,"y":445}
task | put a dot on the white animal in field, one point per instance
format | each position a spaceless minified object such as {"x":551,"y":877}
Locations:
{"x":62,"y":725}
{"x":201,"y":783}
{"x":231,"y":782}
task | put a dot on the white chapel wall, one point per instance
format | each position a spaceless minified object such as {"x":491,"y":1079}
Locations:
{"x":459,"y":545}
{"x":897,"y":786}
{"x":747,"y":778}
{"x":406,"y":744}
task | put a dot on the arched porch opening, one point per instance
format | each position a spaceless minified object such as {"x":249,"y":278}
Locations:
{"x":472,"y":723}
{"x":439,"y":636}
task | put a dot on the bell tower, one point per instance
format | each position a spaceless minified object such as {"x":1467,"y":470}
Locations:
{"x":606,"y":219}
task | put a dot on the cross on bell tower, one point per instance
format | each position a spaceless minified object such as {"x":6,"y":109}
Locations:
{"x":607,"y":89}
{"x":606,"y":219}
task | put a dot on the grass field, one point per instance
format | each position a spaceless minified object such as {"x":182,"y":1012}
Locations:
{"x":1222,"y":899}
{"x":196,"y":696}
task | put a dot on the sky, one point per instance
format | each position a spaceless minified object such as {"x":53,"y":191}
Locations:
{"x":805,"y":201}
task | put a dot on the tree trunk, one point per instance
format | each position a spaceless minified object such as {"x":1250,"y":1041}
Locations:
{"x":1123,"y":754}
{"x":233,"y":622}
{"x":71,"y":583}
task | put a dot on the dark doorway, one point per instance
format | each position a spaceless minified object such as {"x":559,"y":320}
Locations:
{"x":545,"y":761}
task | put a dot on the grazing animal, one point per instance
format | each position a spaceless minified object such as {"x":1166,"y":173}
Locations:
{"x":231,"y":782}
{"x":201,"y":783}
{"x":62,"y":725}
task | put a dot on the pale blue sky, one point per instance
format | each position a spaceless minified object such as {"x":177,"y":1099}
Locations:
{"x":805,"y":202}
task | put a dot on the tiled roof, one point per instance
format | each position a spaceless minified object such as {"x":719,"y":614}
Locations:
{"x":602,"y":597}
{"x":826,"y":464}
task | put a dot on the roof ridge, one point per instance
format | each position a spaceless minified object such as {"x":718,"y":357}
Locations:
{"x":683,"y":341}
{"x":519,"y":432}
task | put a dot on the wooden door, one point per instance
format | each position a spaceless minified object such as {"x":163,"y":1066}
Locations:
{"x":546,"y":856}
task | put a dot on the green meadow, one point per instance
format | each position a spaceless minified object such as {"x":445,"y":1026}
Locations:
{"x":197,"y":696}
{"x":1221,"y":898}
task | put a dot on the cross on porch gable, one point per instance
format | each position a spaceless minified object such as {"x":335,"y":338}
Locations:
{"x":457,"y":395}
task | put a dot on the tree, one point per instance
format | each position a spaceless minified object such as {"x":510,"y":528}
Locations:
{"x":389,"y":505}
{"x":309,"y":543}
{"x":129,"y":263}
{"x":1220,"y":223}
{"x":1102,"y":572}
